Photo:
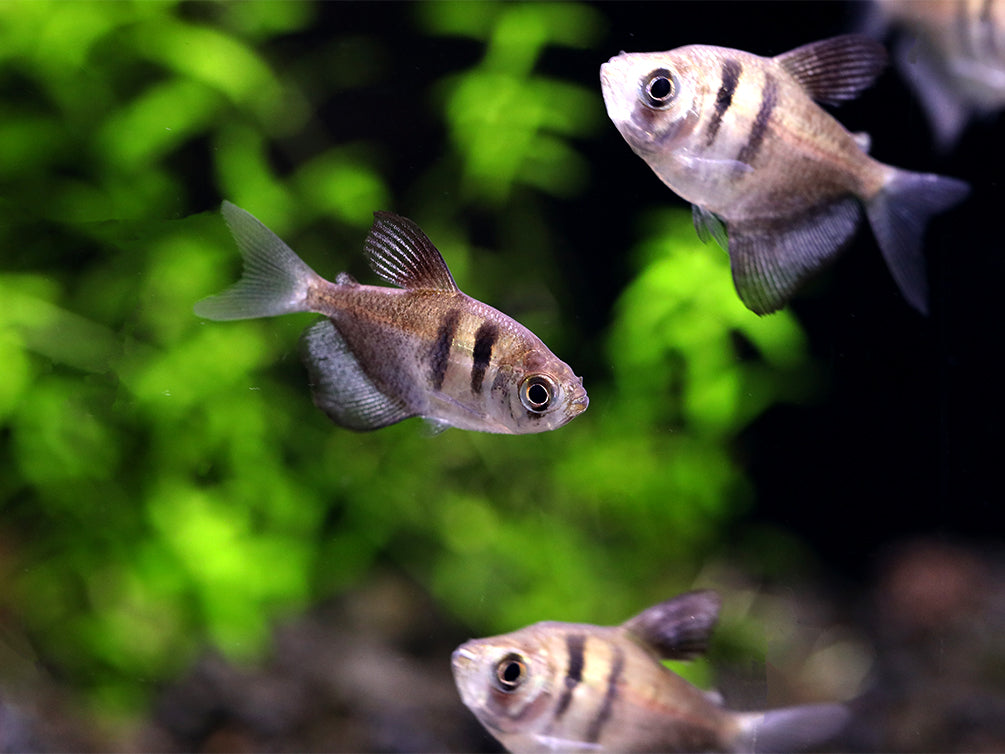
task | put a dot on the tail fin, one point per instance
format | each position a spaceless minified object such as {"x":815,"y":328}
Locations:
{"x":805,"y":728}
{"x":898,"y":215}
{"x":275,"y":279}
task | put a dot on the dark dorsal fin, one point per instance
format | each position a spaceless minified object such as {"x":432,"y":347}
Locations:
{"x":835,"y":70}
{"x":679,"y":628}
{"x":402,"y":254}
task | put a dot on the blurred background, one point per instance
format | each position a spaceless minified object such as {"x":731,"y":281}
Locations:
{"x":193,"y":558}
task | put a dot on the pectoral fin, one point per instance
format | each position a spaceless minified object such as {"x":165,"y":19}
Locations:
{"x":679,"y":628}
{"x":708,"y":226}
{"x":771,"y":258}
{"x":340,"y":386}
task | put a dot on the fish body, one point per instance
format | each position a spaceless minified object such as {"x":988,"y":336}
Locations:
{"x":741,"y":138}
{"x":572,"y":687}
{"x":953,"y":58}
{"x":382,"y":354}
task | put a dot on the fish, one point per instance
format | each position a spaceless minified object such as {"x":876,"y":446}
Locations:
{"x":952,"y":55}
{"x":771,"y":176}
{"x":382,"y":355}
{"x":556,"y":686}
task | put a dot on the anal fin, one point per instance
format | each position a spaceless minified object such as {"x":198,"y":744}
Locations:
{"x":772,"y":258}
{"x":340,"y":386}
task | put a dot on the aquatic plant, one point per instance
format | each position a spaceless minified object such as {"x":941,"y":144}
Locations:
{"x":167,"y":483}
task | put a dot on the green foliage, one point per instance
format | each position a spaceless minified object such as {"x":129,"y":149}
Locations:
{"x":166,"y":482}
{"x":519,"y":134}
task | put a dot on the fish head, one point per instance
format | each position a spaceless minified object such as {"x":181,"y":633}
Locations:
{"x":509,"y":682}
{"x":547,"y":394}
{"x":652,"y":98}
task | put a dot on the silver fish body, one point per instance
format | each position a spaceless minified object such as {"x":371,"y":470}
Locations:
{"x":573,"y":687}
{"x":741,"y":138}
{"x":953,"y":57}
{"x":386,"y":354}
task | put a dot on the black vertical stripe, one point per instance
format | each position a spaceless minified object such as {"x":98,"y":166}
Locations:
{"x":573,"y":672}
{"x":604,"y":713}
{"x":485,"y":338}
{"x":759,"y":130}
{"x":439,"y":354}
{"x":731,"y":70}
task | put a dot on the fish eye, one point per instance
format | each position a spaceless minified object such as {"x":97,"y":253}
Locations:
{"x":659,"y":88}
{"x":537,"y":392}
{"x":510,"y":673}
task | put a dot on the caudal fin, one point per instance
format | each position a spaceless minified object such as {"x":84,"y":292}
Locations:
{"x":275,"y":279}
{"x":898,"y":215}
{"x":809,"y":727}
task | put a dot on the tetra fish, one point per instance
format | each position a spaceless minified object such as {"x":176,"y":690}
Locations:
{"x":741,"y":138}
{"x":953,"y":57}
{"x":573,"y":687}
{"x":386,"y":354}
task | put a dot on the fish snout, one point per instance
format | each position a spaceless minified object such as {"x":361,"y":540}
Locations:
{"x":462,"y":660}
{"x":579,"y":402}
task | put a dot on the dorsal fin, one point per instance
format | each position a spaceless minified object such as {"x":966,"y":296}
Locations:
{"x":402,"y":254}
{"x":835,"y":70}
{"x":679,"y":628}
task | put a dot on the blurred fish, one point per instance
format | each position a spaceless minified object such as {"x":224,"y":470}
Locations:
{"x":386,"y":354}
{"x":739,"y":136}
{"x":953,"y":56}
{"x":571,"y":687}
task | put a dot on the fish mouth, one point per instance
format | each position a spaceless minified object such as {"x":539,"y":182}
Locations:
{"x":463,"y":663}
{"x":462,"y":657}
{"x":577,"y":405}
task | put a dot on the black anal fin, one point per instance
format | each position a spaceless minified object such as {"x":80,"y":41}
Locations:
{"x":835,"y":70}
{"x":679,"y":628}
{"x":340,"y":386}
{"x":772,"y":258}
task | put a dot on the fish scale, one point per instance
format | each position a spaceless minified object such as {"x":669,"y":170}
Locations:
{"x":386,"y":354}
{"x":766,"y":169}
{"x":556,"y":686}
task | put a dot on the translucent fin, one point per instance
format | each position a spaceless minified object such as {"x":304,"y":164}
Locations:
{"x":275,"y":279}
{"x":943,"y":100}
{"x":679,"y":628}
{"x":709,"y":226}
{"x":770,"y":260}
{"x":402,"y":254}
{"x":805,"y":728}
{"x":835,"y":70}
{"x":898,"y":215}
{"x":863,"y":140}
{"x":340,"y":386}
{"x":435,"y":426}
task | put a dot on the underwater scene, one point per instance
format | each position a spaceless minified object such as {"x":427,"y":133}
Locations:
{"x":480,"y":377}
